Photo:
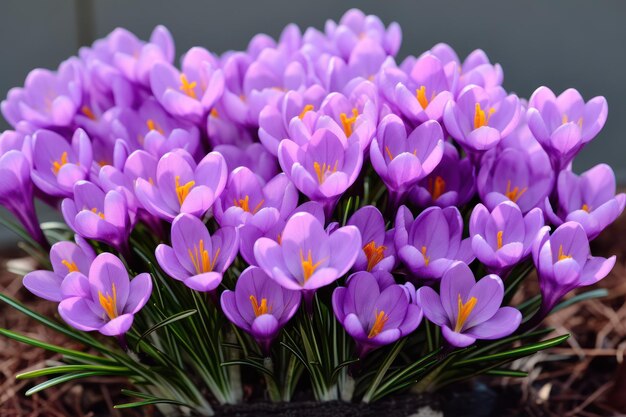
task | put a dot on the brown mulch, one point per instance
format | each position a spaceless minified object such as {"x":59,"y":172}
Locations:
{"x":586,"y":376}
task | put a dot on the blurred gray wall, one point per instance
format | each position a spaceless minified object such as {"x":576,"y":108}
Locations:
{"x":558,"y":43}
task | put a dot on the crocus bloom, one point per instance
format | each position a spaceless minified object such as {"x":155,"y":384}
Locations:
{"x":48,"y":99}
{"x":588,"y":199}
{"x":95,"y":215}
{"x":260,"y":306}
{"x":16,"y":192}
{"x":59,"y":165}
{"x":247,"y":195}
{"x":181,"y":186}
{"x":564,"y":262}
{"x":324,"y":167}
{"x":106,"y":300}
{"x":196,"y":258}
{"x":564,"y":124}
{"x":378,"y":252}
{"x":451,"y":183}
{"x":515,"y":175}
{"x":400,"y":159}
{"x":192,"y":92}
{"x":252,"y":156}
{"x":468,"y":310}
{"x":431,"y":243}
{"x":65,"y":257}
{"x":478,"y":122}
{"x":306,"y":257}
{"x":503,"y":237}
{"x":374,"y":316}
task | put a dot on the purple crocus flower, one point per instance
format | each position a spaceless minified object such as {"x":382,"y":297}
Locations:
{"x":478,"y":121}
{"x":503,"y":237}
{"x":564,"y":124}
{"x":95,"y":215}
{"x":181,"y":186}
{"x":192,"y":92}
{"x":564,"y":262}
{"x":324,"y":167}
{"x":106,"y":300}
{"x":59,"y":165}
{"x":196,"y":258}
{"x":468,"y":310}
{"x":247,"y":195}
{"x":306,"y":257}
{"x":400,"y":159}
{"x":66,"y":257}
{"x":451,"y":183}
{"x":260,"y":306}
{"x":253,"y":156}
{"x":48,"y":100}
{"x":588,"y":199}
{"x":378,"y":251}
{"x":372,"y":315}
{"x":431,"y":243}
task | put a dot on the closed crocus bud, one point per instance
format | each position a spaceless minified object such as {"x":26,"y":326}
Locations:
{"x":431,"y":243}
{"x":373,"y":315}
{"x":260,"y":306}
{"x":588,"y":199}
{"x":378,"y":252}
{"x":466,"y":309}
{"x":196,"y":258}
{"x":564,"y":262}
{"x":58,"y":165}
{"x":65,"y":257}
{"x":402,"y":159}
{"x":106,"y":300}
{"x":564,"y":124}
{"x":181,"y":186}
{"x":503,"y":237}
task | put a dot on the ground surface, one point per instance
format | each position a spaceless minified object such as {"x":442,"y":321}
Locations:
{"x":588,"y":380}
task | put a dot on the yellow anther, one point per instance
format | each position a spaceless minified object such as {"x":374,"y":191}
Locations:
{"x":109,"y":302}
{"x":562,"y":255}
{"x":244,"y":204}
{"x":348,"y":122}
{"x":379,"y":324}
{"x":421,"y":97}
{"x":200,"y":258}
{"x":152,"y":125}
{"x":259,"y":309}
{"x":480,"y":119}
{"x":586,"y":208}
{"x":99,"y":213}
{"x":464,"y":312}
{"x":499,"y":237}
{"x":515,"y":193}
{"x":56,"y":165}
{"x":187,"y":87}
{"x":214,"y":112}
{"x":71,"y":266}
{"x":374,"y":254}
{"x":306,"y":109}
{"x":86,"y":110}
{"x":308,"y":267}
{"x":436,"y":187}
{"x":426,"y":258}
{"x":324,"y":170}
{"x":182,"y":191}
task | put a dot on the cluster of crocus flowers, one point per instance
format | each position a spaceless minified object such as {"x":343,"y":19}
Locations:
{"x":313,"y":165}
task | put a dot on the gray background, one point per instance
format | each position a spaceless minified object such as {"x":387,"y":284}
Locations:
{"x":561,"y":44}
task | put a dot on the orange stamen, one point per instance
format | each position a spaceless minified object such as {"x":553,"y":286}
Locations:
{"x":71,"y":266}
{"x":500,"y":239}
{"x":308,"y":267}
{"x":56,"y":165}
{"x":426,"y":258}
{"x":187,"y":87}
{"x":464,"y":312}
{"x":86,"y":110}
{"x":200,"y":258}
{"x":182,"y":191}
{"x":324,"y":170}
{"x":436,"y":187}
{"x":306,"y":109}
{"x":562,"y":255}
{"x":379,"y":324}
{"x":259,"y":309}
{"x":374,"y":254}
{"x":480,"y":119}
{"x":109,"y":303}
{"x":152,"y":125}
{"x":515,"y":193}
{"x":244,"y":204}
{"x":348,"y":122}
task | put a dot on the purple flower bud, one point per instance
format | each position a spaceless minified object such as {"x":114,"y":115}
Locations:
{"x":503,"y":237}
{"x":372,"y":315}
{"x":196,"y":258}
{"x":260,"y":306}
{"x":468,"y":310}
{"x":107,"y":299}
{"x":378,"y":251}
{"x":431,"y":243}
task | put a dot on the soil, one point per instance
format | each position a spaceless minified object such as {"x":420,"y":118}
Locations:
{"x":584,"y":377}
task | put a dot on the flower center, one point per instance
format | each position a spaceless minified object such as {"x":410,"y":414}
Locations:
{"x":348,"y":122}
{"x":152,"y":125}
{"x":86,"y":110}
{"x":586,"y":208}
{"x":390,"y":155}
{"x":426,"y":258}
{"x":515,"y":193}
{"x":308,"y":267}
{"x":56,"y":165}
{"x":436,"y":187}
{"x":187,"y":87}
{"x":565,"y":119}
{"x":71,"y":266}
{"x":306,"y":109}
{"x":379,"y":324}
{"x":499,"y":237}
{"x":259,"y":309}
{"x":182,"y":191}
{"x":109,"y":302}
{"x":324,"y":170}
{"x":374,"y":254}
{"x":480,"y":119}
{"x":200,"y":258}
{"x":420,"y":93}
{"x":244,"y":204}
{"x":98,"y":212}
{"x":464,"y":312}
{"x":562,"y":255}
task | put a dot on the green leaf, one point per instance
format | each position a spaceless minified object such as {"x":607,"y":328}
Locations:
{"x":507,"y":372}
{"x":151,"y":402}
{"x":253,"y":364}
{"x":589,"y":295}
{"x":517,"y":352}
{"x":61,"y":379}
{"x":62,"y":369}
{"x":171,"y":319}
{"x":382,"y":371}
